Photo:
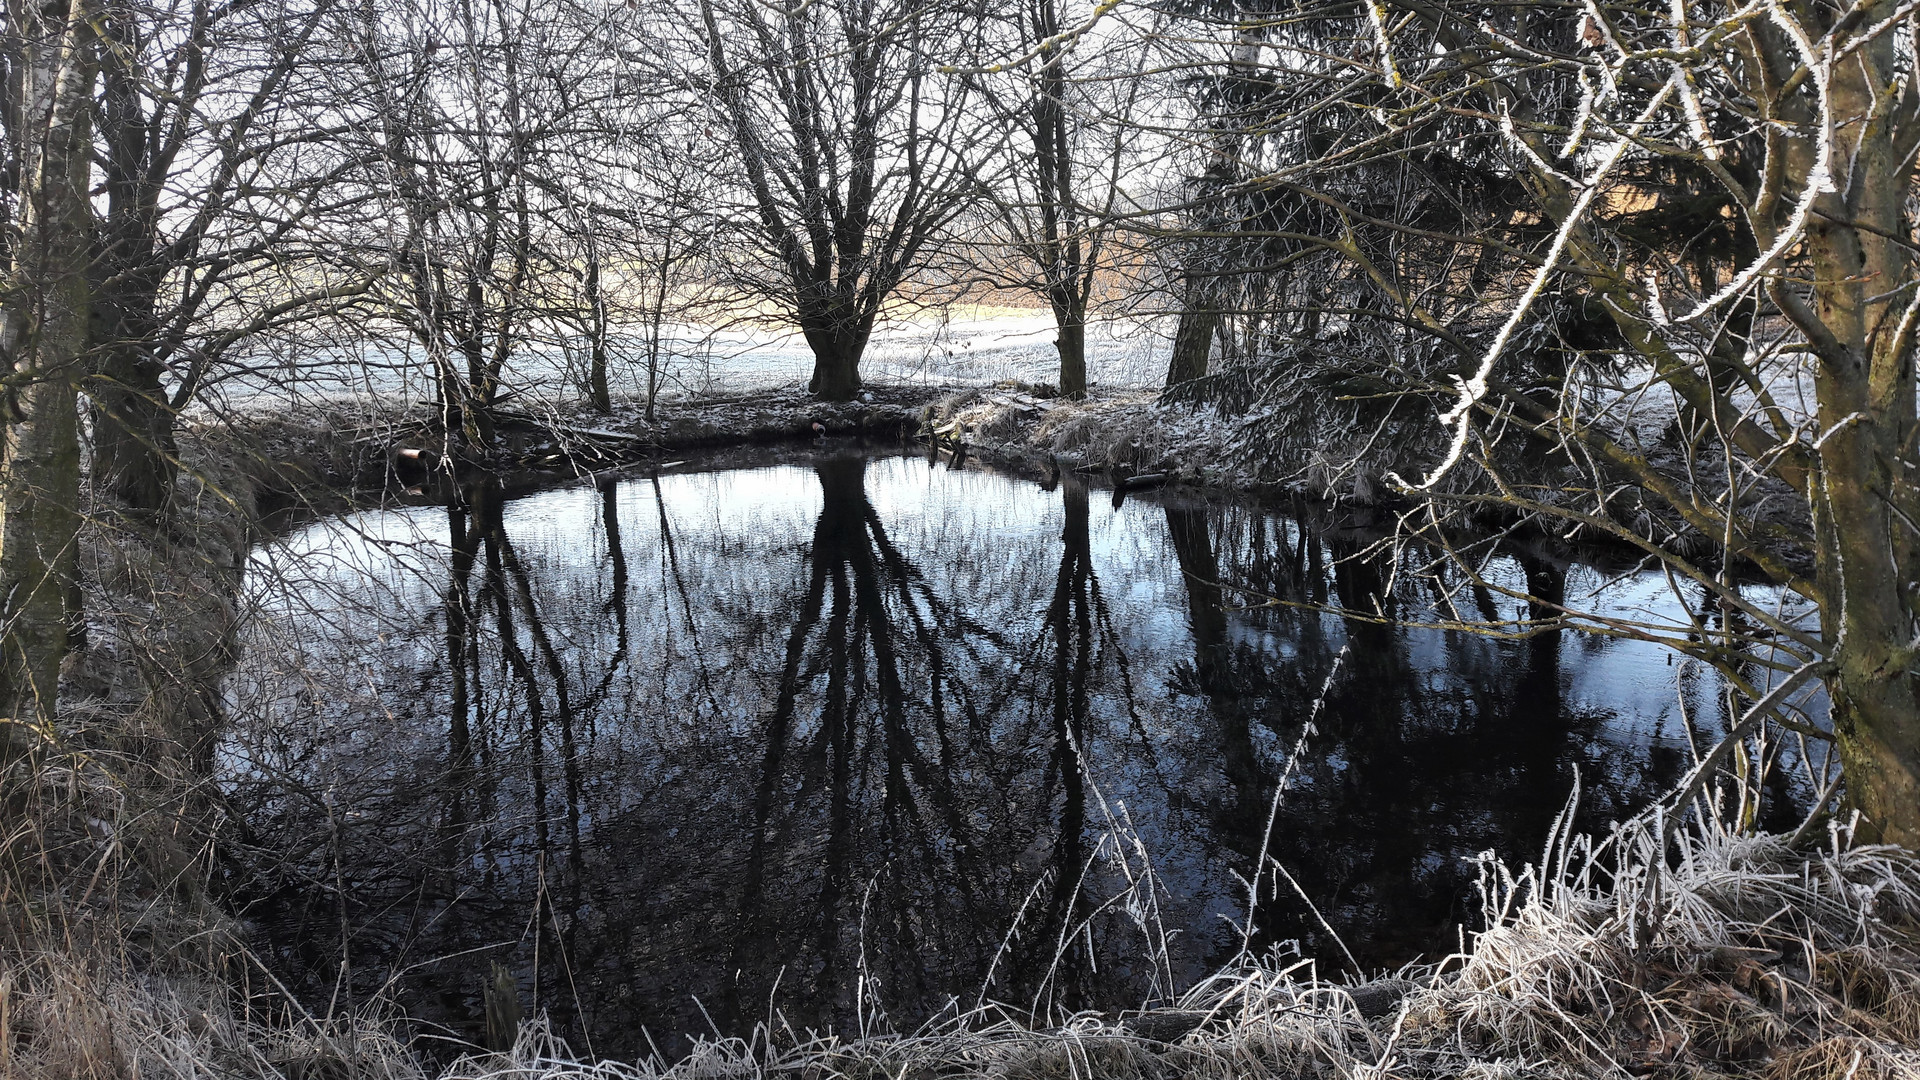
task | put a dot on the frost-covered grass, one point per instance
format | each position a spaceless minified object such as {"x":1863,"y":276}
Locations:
{"x":1709,"y":954}
{"x":1713,"y":955}
{"x":965,"y":345}
{"x":1128,"y":430}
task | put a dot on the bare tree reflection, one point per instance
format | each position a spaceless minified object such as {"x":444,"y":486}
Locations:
{"x":877,"y":705}
{"x":1430,"y":747}
{"x":828,"y":753}
{"x":1074,"y":673}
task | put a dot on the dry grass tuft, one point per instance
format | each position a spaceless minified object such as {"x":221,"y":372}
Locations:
{"x":88,"y":1020}
{"x":1845,"y":1057}
{"x":1716,"y":955}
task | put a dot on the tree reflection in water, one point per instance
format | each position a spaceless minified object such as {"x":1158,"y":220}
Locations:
{"x":689,"y":751}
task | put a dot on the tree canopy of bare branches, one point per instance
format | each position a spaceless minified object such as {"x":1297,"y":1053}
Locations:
{"x":1666,"y":253}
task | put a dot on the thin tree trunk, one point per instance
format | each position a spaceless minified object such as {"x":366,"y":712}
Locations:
{"x":656,"y":321}
{"x":597,"y":334}
{"x":43,"y":331}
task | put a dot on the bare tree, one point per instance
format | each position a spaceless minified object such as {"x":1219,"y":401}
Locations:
{"x":473,"y":104}
{"x":1062,"y":115}
{"x":1211,"y":254}
{"x":1692,"y":292}
{"x":847,"y":141}
{"x":195,"y":108}
{"x":644,"y":262}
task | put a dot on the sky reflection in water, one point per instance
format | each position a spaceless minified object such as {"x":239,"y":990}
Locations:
{"x":682,"y":752}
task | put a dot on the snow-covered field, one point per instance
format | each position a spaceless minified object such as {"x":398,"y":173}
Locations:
{"x":974,"y":346}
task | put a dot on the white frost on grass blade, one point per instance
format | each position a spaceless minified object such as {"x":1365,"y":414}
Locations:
{"x":1735,"y":954}
{"x":1714,"y":953}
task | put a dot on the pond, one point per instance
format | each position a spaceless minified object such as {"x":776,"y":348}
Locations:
{"x":845,"y":739}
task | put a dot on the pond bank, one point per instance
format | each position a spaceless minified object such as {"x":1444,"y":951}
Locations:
{"x":330,"y":458}
{"x":368,"y":449}
{"x":1123,"y":434}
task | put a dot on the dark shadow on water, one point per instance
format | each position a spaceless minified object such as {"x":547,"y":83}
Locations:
{"x":853,"y":744}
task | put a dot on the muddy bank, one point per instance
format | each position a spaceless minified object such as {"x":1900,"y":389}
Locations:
{"x":324,"y":459}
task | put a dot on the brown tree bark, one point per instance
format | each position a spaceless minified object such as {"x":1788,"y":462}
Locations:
{"x":134,"y":450}
{"x":836,"y":375}
{"x":1072,"y":345}
{"x":838,"y":337}
{"x":597,"y":387}
{"x":1865,"y":507}
{"x":133,"y":446}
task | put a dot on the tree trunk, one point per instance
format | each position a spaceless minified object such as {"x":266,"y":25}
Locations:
{"x":836,"y":361}
{"x":134,"y":451}
{"x":1073,"y":359}
{"x":1070,"y":316}
{"x":597,"y":334}
{"x":1865,"y":389}
{"x":1193,"y":341}
{"x":656,"y":318}
{"x":1866,"y":558}
{"x":43,"y":331}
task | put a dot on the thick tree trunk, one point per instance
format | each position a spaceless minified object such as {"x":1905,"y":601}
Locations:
{"x":1867,"y":556}
{"x":837,"y":345}
{"x":133,"y":445}
{"x":43,"y":331}
{"x":134,"y":451}
{"x":836,"y":376}
{"x":1072,"y":344}
{"x":1866,"y":559}
{"x":1865,"y":505}
{"x":1193,"y":340}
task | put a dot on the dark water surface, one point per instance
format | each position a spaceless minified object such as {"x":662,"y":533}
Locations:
{"x":851,"y":737}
